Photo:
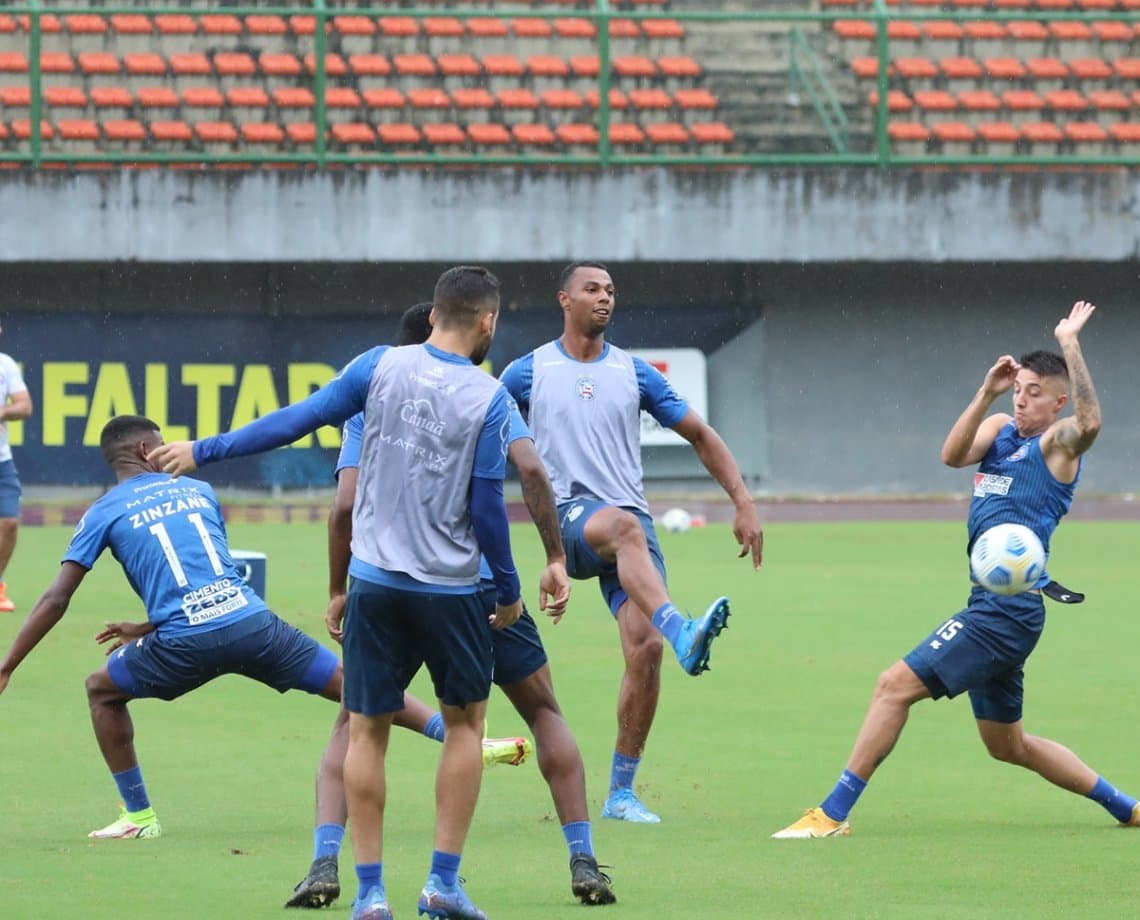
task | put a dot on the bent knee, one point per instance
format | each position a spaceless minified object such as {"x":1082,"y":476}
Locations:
{"x":627,"y":530}
{"x":899,"y":683}
{"x":101,"y":689}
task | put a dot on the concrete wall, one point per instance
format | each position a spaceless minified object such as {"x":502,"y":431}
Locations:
{"x":730,"y":215}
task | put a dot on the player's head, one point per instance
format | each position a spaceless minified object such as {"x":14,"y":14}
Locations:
{"x":1040,"y":391}
{"x":415,"y":324}
{"x":586,"y":295}
{"x":466,"y":300}
{"x":128,"y":439}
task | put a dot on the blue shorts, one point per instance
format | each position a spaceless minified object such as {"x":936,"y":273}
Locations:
{"x":10,"y":490}
{"x":983,"y":649}
{"x":261,"y":646}
{"x":518,"y":649}
{"x":389,"y":632}
{"x":582,"y":562}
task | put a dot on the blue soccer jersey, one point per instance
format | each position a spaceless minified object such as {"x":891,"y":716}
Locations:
{"x":1014,"y":485}
{"x":170,"y":539}
{"x":586,"y":419}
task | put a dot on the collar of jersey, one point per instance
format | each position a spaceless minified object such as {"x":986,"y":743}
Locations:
{"x":447,"y":356}
{"x":601,"y":357}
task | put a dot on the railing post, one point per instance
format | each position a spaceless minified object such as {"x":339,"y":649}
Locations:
{"x":604,"y":151}
{"x":320,"y":47}
{"x":882,"y":81}
{"x":36,"y":90}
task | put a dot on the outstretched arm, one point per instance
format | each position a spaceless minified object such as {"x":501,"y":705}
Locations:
{"x":972,"y":435}
{"x":48,"y":611}
{"x":1075,"y":434}
{"x":718,"y":460}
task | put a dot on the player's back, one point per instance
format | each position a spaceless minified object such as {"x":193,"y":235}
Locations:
{"x":426,"y":412}
{"x":170,"y":539}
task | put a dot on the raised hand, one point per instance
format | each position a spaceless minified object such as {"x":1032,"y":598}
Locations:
{"x":1070,"y":326}
{"x":1001,"y":376}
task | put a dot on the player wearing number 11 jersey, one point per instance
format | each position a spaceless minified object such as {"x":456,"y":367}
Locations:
{"x":203,"y":621}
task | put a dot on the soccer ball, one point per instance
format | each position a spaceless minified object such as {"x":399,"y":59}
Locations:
{"x":676,"y":520}
{"x":1007,"y":559}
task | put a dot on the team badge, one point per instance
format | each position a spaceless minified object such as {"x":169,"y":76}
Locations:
{"x":586,"y":388}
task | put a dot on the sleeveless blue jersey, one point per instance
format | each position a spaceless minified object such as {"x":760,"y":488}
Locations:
{"x":1013,"y":485}
{"x":170,"y":539}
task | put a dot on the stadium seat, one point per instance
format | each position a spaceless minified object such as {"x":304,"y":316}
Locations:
{"x":617,"y":99}
{"x":1065,"y":101}
{"x":398,"y":26}
{"x":15,"y":99}
{"x":486,"y":27}
{"x":22,"y":129}
{"x":458,"y":67}
{"x":577,"y":135}
{"x":145,"y":68}
{"x":161,"y":101}
{"x":384,"y":104}
{"x":533,"y":135}
{"x":334,"y":65}
{"x":561,"y":100}
{"x":1004,"y":68}
{"x":909,"y":138}
{"x":633,"y":67}
{"x":624,"y":29}
{"x":917,"y":71}
{"x":247,"y":103}
{"x":711,"y":134}
{"x":1022,"y":105}
{"x":414,"y":69}
{"x":935,"y":100}
{"x":986,"y":38}
{"x":354,"y":134}
{"x":430,"y":102}
{"x":667,"y":135}
{"x":219,"y":24}
{"x":266,"y":25}
{"x":342,"y":104}
{"x":1111,"y":105}
{"x":126,"y":131}
{"x":82,"y":133}
{"x":489,"y":135}
{"x":438,"y":28}
{"x":1090,"y":70}
{"x":170,"y":134}
{"x":980,"y":102}
{"x":960,"y":72}
{"x":234,"y":67}
{"x":191,"y":65}
{"x":444,"y":135}
{"x":472,"y":99}
{"x":859,"y":30}
{"x":56,"y":68}
{"x":302,"y":25}
{"x":177,"y":31}
{"x":1028,"y":31}
{"x":585,"y":66}
{"x":953,"y":137}
{"x":1047,"y":73}
{"x":293,"y":103}
{"x":651,"y":104}
{"x":279,"y":65}
{"x":897,"y":100}
{"x":942,"y":38}
{"x":1127,"y":68}
{"x":517,"y":104}
{"x":65,"y":101}
{"x":112,"y":102}
{"x":1087,"y":137}
{"x":691,"y":101}
{"x":203,"y":102}
{"x":301,"y":133}
{"x":1126,"y":136}
{"x":1000,"y":137}
{"x":355,"y":33}
{"x":626,"y":134}
{"x":262,"y":133}
{"x":1041,"y":136}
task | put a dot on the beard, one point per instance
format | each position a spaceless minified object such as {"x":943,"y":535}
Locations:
{"x":480,"y":352}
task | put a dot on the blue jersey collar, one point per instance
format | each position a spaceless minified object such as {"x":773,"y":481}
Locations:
{"x":449,"y":356}
{"x":601,"y":357}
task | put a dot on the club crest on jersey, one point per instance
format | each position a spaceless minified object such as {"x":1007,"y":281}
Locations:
{"x":991,"y":484}
{"x":586,"y":388}
{"x":1020,"y":454}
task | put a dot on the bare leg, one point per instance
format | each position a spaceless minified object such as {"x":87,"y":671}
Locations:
{"x":364,"y":783}
{"x":1048,"y":759}
{"x":111,"y":721}
{"x":640,"y":688}
{"x":415,"y":714}
{"x":559,"y":759}
{"x":459,"y":776}
{"x":9,"y":528}
{"x":616,"y":536}
{"x":898,"y":688}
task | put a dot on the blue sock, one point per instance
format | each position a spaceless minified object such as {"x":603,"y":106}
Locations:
{"x":578,"y":839}
{"x":446,"y":866}
{"x":327,"y":839}
{"x":434,"y":727}
{"x":1115,"y":802}
{"x":669,"y":622}
{"x":623,"y":771}
{"x":131,"y":789}
{"x":369,"y":876}
{"x":838,"y":805}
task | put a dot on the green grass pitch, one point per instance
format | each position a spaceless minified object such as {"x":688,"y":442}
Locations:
{"x":942,"y":832}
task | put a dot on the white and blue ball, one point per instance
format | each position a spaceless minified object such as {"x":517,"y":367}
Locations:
{"x":676,"y":520}
{"x":1007,"y":559}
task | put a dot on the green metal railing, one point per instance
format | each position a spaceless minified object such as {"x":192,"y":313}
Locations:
{"x":805,"y":71}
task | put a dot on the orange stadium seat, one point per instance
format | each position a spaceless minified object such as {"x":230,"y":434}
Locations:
{"x":144,"y":64}
{"x":414,"y":65}
{"x":1047,"y":72}
{"x":867,"y":68}
{"x":998,"y":132}
{"x":942,"y":30}
{"x":171,"y":131}
{"x":85,"y":24}
{"x":978,"y":100}
{"x":247,"y":97}
{"x":1112,"y":31}
{"x":650,"y":100}
{"x":626,"y":134}
{"x":585,"y":66}
{"x":624,"y":28}
{"x":575,"y":28}
{"x":444,"y":134}
{"x":897,"y":100}
{"x":487,"y":27}
{"x":854,"y":29}
{"x":679,"y":67}
{"x":1029,"y":30}
{"x":265,"y":25}
{"x":13,"y":62}
{"x":369,"y":65}
{"x":385,"y":100}
{"x":562,"y":100}
{"x":112,"y":97}
{"x":1004,"y":68}
{"x":952,"y":133}
{"x":1127,"y":68}
{"x":986,"y":36}
{"x":49,"y":24}
{"x":908,"y":132}
{"x":1125,"y":132}
{"x":234,"y":64}
{"x":667,"y":134}
{"x":22,"y":129}
{"x":334,"y":65}
{"x":15,"y":97}
{"x":531,"y":28}
{"x":354,"y":25}
{"x":471,"y":98}
{"x":1110,"y":104}
{"x":935,"y":100}
{"x":634,"y":66}
{"x":901,"y":30}
{"x":175,"y":24}
{"x":7,"y":24}
{"x":1041,"y":132}
{"x":98,"y":62}
{"x":577,"y":135}
{"x":399,"y":135}
{"x":398,"y":26}
{"x":695,"y":99}
{"x":458,"y":65}
{"x":341,"y":102}
{"x":916,"y":68}
{"x":443,"y":27}
{"x":663,"y":29}
{"x":1011,"y":4}
{"x":298,"y":99}
{"x":78,"y":129}
{"x":160,"y":97}
{"x":1070,"y":30}
{"x":1089,"y":69}
{"x":204,"y":101}
{"x":617,"y":99}
{"x":1085,"y":133}
{"x":302,"y":25}
{"x":533,"y":135}
{"x":301,"y":133}
{"x":516,"y":99}
{"x":1065,"y":100}
{"x":712,"y":132}
{"x":220,"y":24}
{"x":960,"y":69}
{"x":430,"y":98}
{"x":190,"y":65}
{"x":546,"y":65}
{"x":56,"y":62}
{"x":279,"y":64}
{"x":502,"y":65}
{"x":64,"y":97}
{"x":262,"y":133}
{"x":124,"y":130}
{"x":354,"y":134}
{"x":488,"y":134}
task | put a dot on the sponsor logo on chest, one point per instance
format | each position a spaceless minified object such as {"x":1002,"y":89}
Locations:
{"x":991,"y":484}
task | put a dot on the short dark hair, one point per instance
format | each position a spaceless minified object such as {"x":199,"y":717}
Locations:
{"x":123,"y":430}
{"x":461,"y":293}
{"x":415,"y":324}
{"x":1045,"y":364}
{"x":568,"y":272}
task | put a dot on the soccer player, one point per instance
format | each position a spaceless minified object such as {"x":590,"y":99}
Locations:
{"x":521,"y":668}
{"x":429,"y":499}
{"x":203,"y":621}
{"x":15,"y":403}
{"x":1029,"y":465}
{"x":584,"y":396}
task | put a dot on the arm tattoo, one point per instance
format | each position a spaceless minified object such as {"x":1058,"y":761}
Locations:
{"x":1079,"y":434}
{"x":539,"y":499}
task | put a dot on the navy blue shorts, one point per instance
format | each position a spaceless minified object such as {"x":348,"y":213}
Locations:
{"x":582,"y":562}
{"x":261,"y":646}
{"x":389,"y":632}
{"x":518,"y":649}
{"x":983,"y":649}
{"x":10,"y":490}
